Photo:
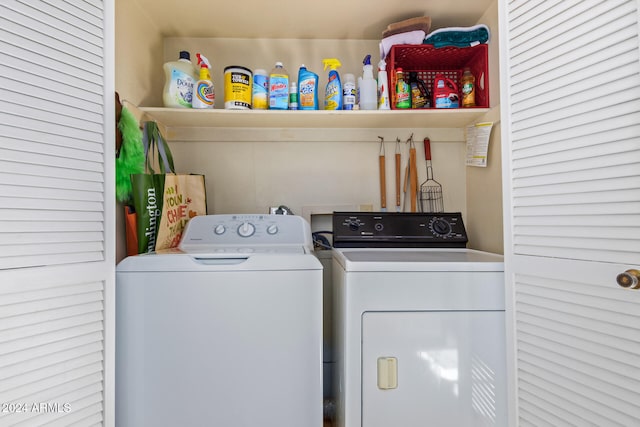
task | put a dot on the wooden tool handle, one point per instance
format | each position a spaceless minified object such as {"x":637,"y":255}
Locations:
{"x":383,"y":184}
{"x":427,"y":149}
{"x":413,"y":187}
{"x":397,"y":179}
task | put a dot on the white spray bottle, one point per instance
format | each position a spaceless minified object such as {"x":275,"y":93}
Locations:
{"x":368,"y":87}
{"x":203,"y":93}
{"x":383,"y":86}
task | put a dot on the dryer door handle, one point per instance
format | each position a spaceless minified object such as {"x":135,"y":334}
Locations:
{"x":387,"y":373}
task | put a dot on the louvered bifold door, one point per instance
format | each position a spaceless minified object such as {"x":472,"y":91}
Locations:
{"x":571,"y":75}
{"x":56,"y":211}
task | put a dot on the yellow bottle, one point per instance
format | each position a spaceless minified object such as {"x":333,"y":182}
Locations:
{"x":468,"y":89}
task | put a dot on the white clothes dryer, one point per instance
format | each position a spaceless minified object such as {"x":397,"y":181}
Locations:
{"x":420,"y":328}
{"x":225,"y":330}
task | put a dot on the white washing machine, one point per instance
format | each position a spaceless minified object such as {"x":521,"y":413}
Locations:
{"x":420,"y":328}
{"x":226,"y":330}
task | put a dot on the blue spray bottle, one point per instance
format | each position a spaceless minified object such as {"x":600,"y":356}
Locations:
{"x":333,"y":93}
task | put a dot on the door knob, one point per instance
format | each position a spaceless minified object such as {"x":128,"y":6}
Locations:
{"x":630,"y":279}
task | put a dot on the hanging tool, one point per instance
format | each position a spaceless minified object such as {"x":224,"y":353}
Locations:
{"x":413,"y":175}
{"x":406,"y":186}
{"x":430,"y":191}
{"x":383,"y":179}
{"x":398,"y":166}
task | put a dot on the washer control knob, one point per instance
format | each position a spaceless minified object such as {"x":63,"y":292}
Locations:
{"x":246,"y":229}
{"x":354,"y":225}
{"x":272,"y":229}
{"x":220,"y":229}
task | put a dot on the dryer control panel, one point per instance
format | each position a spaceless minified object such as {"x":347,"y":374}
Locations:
{"x":398,"y":230}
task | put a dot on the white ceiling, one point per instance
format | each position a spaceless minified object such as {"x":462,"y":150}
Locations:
{"x":326,"y":19}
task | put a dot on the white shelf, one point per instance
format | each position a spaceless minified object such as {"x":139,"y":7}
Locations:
{"x":188,"y":118}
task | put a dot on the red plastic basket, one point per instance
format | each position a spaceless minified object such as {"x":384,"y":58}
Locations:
{"x":428,"y":61}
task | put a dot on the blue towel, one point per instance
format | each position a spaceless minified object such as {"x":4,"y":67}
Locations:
{"x":458,"y":36}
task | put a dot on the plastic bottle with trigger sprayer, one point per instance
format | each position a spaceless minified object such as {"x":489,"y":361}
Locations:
{"x":203,"y":92}
{"x":368,"y":87}
{"x":383,"y":86}
{"x":333,"y":92}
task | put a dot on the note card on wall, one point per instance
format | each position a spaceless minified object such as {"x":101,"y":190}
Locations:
{"x":478,"y":144}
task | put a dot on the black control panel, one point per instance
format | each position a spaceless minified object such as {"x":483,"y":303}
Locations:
{"x":398,"y":230}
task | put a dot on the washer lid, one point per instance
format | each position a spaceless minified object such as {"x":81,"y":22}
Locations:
{"x":418,"y":260}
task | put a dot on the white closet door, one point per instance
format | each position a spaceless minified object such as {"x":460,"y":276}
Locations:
{"x":571,"y":138}
{"x":56,"y":212}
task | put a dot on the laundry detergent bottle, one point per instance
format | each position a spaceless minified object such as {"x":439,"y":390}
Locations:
{"x":445,"y":92}
{"x":333,"y":92}
{"x":203,"y":92}
{"x":180,"y":77}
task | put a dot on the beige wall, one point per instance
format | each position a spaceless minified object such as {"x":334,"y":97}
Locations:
{"x":138,"y":54}
{"x":251,"y":175}
{"x":484,"y":200}
{"x":484,"y":185}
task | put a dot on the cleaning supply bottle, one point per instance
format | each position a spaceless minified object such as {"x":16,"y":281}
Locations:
{"x":260,"y":90}
{"x":203,"y":92}
{"x":333,"y":92}
{"x":420,"y":96}
{"x":468,"y":88}
{"x":180,"y":77}
{"x":307,"y":89}
{"x":383,"y":86}
{"x":279,"y":88}
{"x":293,"y":96}
{"x":403,"y":97}
{"x":349,"y":92}
{"x":368,"y":87}
{"x":445,"y":92}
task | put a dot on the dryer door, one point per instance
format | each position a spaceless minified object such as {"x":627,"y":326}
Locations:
{"x":440,"y":368}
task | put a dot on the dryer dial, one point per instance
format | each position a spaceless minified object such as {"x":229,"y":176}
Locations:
{"x":440,"y":227}
{"x":354,"y":225}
